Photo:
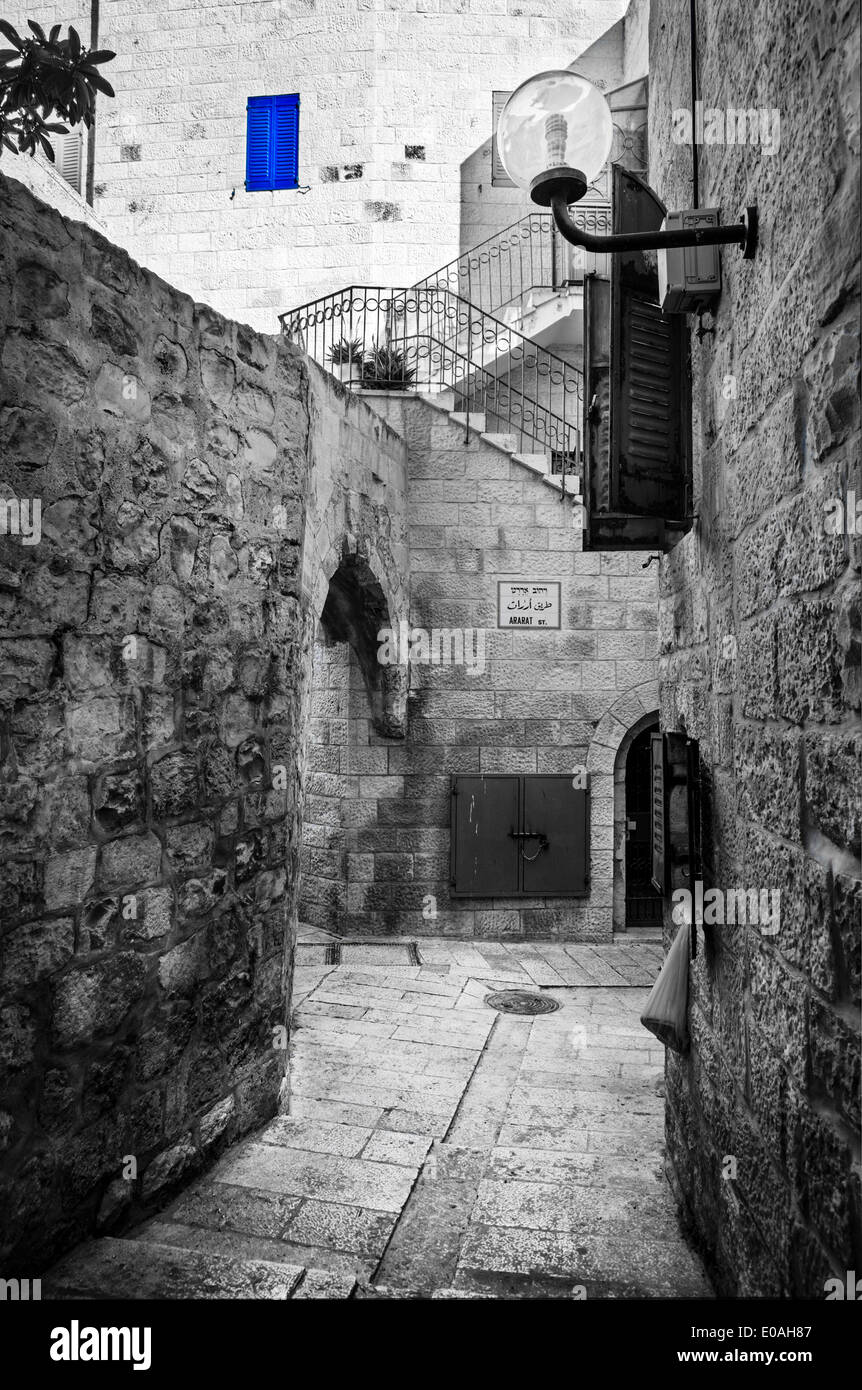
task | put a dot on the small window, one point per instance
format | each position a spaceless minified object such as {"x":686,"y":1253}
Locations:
{"x":499,"y":177}
{"x":272,"y":143}
{"x":68,"y":158}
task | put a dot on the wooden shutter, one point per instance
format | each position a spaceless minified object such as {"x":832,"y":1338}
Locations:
{"x":485,"y":812}
{"x":285,"y":142}
{"x":499,"y":177}
{"x":676,"y":812}
{"x":658,"y":813}
{"x":258,"y":144}
{"x":524,"y":836}
{"x":638,"y":455}
{"x":559,"y":811}
{"x":68,"y":157}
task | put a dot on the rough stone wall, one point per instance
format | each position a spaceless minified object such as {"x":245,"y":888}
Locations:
{"x":356,"y":522}
{"x":395,"y":98}
{"x":151,"y":668}
{"x":544,"y":703}
{"x":760,"y":651}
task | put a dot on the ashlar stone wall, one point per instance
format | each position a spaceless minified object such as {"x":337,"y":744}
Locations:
{"x":760,"y":648}
{"x":152,"y":658}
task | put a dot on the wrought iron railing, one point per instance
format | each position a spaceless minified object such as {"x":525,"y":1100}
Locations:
{"x":432,"y":340}
{"x":527,"y":256}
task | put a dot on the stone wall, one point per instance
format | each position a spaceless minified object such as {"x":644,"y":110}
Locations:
{"x":395,"y":100}
{"x":544,"y":703}
{"x":760,"y":652}
{"x":151,"y":667}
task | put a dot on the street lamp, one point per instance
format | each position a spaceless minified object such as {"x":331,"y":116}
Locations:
{"x":555,"y":134}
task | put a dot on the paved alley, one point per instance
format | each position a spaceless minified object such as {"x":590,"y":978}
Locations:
{"x":435,"y":1147}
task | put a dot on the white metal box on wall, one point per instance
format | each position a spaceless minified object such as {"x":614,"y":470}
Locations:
{"x":689,"y":277}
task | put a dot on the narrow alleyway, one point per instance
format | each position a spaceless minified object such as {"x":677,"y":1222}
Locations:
{"x":435,"y":1147}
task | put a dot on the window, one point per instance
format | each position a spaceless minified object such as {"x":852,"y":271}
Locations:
{"x":519,"y":837}
{"x":499,"y":177}
{"x":272,"y":143}
{"x":68,"y":158}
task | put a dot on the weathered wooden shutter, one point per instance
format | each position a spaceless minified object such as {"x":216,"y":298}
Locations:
{"x":658,"y":811}
{"x":676,"y":812}
{"x":639,"y":475}
{"x":68,"y":157}
{"x":499,"y":177}
{"x":485,"y":812}
{"x":559,"y":812}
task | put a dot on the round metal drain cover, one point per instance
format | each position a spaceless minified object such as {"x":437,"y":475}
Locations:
{"x":518,"y":1001}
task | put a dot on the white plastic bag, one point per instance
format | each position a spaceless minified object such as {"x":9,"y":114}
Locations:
{"x":666,"y":1011}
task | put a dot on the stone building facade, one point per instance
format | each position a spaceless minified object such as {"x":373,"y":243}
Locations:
{"x":377,"y":827}
{"x":395,"y":133}
{"x":759,"y":637}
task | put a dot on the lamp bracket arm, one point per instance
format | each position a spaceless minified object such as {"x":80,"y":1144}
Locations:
{"x":743,"y":233}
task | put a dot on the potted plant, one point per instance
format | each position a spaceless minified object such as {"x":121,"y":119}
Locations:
{"x":386,"y":369}
{"x":347,"y":360}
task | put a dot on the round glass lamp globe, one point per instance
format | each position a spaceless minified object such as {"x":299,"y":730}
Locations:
{"x":553,"y":120}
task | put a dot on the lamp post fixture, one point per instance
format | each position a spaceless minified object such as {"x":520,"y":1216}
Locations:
{"x":555,"y":134}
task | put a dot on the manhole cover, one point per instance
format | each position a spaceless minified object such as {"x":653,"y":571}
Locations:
{"x":518,"y":1001}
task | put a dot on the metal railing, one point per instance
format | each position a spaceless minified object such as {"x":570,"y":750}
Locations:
{"x":529,"y":255}
{"x":429,"y":339}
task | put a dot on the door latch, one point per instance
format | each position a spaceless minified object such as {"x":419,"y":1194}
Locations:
{"x":530,"y":835}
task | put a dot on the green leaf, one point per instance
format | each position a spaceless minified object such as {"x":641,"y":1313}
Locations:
{"x":74,"y":43}
{"x":55,"y":33}
{"x":37,"y":30}
{"x":47,"y":147}
{"x":57,"y":129}
{"x":7,"y":53}
{"x":99,"y":55}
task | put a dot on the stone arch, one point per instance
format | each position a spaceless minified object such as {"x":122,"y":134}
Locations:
{"x":627,"y":717}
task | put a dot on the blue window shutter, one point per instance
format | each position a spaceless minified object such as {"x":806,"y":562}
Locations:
{"x":272,"y":143}
{"x":285,"y":142}
{"x":258,"y":163}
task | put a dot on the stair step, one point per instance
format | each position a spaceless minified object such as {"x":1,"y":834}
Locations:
{"x":476,"y":422}
{"x":442,"y":398}
{"x":112,"y":1268}
{"x":508,"y":442}
{"x":537,"y":462}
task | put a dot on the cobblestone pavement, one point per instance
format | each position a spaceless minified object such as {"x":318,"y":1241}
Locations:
{"x":436,"y":1148}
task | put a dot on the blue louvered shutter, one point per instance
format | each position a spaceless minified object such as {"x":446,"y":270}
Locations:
{"x":258,"y":143}
{"x":272,"y":143}
{"x":285,"y":142}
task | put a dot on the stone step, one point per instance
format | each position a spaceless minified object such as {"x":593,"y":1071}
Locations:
{"x":476,"y":422}
{"x":537,"y":463}
{"x":508,"y":442}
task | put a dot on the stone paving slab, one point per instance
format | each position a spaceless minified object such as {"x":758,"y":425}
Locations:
{"x":356,"y":1182}
{"x":111,"y":1268}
